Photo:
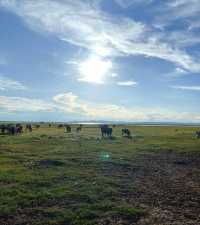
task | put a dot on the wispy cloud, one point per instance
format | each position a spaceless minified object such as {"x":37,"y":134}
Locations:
{"x":182,"y":38}
{"x":177,"y":73}
{"x":128,"y":3}
{"x":188,"y":88}
{"x":80,"y":23}
{"x":184,"y":8}
{"x":184,"y":11}
{"x":178,"y":22}
{"x":9,"y":84}
{"x":127,"y":83}
{"x":72,"y":62}
{"x":19,"y":104}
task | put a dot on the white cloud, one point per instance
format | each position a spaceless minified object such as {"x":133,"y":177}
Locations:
{"x":178,"y":72}
{"x":72,"y":62}
{"x":19,"y":104}
{"x":8,"y":84}
{"x":189,"y":88}
{"x":80,"y":23}
{"x":194,"y":24}
{"x":178,"y":3}
{"x":127,"y":83}
{"x":183,"y":38}
{"x":178,"y":22}
{"x":186,"y":11}
{"x":113,"y":75}
{"x":184,"y":8}
{"x":68,"y":102}
{"x":128,"y":3}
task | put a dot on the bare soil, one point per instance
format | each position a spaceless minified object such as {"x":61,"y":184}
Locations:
{"x":166,"y":186}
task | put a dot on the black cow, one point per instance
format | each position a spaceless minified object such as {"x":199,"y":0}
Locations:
{"x":78,"y":129}
{"x":126,"y":132}
{"x":198,"y":134}
{"x":19,"y":128}
{"x":106,"y":131}
{"x":11,"y":129}
{"x":3,"y":128}
{"x":29,"y":127}
{"x":68,"y":128}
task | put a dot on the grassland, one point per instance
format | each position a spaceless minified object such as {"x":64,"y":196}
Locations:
{"x":51,"y":177}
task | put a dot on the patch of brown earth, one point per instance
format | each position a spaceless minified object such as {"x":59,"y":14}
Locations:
{"x":166,"y":186}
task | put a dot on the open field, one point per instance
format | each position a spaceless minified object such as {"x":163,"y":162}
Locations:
{"x":51,"y":177}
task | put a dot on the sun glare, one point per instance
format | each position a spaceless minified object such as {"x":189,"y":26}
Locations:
{"x":94,"y":70}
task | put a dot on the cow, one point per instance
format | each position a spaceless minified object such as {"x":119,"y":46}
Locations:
{"x":78,"y":129}
{"x":126,"y":133}
{"x":29,"y":127}
{"x":11,"y":129}
{"x":198,"y":134}
{"x":3,"y":128}
{"x":106,"y":131}
{"x":19,"y":128}
{"x":68,"y":128}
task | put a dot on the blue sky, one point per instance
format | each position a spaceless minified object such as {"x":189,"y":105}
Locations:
{"x":124,"y":60}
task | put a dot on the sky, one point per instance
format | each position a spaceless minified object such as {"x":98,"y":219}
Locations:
{"x":119,"y":60}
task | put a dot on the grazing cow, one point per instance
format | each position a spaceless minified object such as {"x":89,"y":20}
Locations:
{"x":29,"y":127}
{"x":11,"y":130}
{"x":198,"y":134}
{"x":68,"y":128}
{"x":60,"y":126}
{"x":37,"y":126}
{"x":78,"y":129}
{"x":19,"y":128}
{"x":49,"y":125}
{"x":3,"y":128}
{"x":126,"y":132}
{"x":106,"y":131}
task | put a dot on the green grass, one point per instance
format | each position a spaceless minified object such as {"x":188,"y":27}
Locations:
{"x":56,"y":178}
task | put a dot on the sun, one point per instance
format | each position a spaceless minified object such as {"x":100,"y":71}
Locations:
{"x":94,"y":70}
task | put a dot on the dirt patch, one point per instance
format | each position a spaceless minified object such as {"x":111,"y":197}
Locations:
{"x":166,"y":186}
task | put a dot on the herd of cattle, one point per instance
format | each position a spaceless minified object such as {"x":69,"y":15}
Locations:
{"x":106,"y":130}
{"x":13,"y":129}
